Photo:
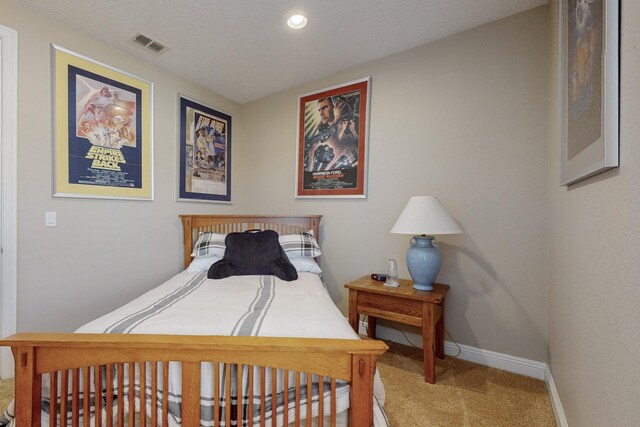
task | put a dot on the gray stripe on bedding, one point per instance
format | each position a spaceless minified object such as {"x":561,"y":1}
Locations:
{"x":127,"y":324}
{"x":249,"y":310}
{"x":268,"y":306}
{"x":257,"y":309}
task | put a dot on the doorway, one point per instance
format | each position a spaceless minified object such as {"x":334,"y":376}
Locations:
{"x":8,"y":191}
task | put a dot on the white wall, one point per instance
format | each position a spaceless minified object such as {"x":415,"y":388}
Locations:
{"x":464,"y":118}
{"x":594,"y":289}
{"x":103,"y":253}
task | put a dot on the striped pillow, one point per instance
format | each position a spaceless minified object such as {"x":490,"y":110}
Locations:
{"x":209,"y":244}
{"x":300,"y":245}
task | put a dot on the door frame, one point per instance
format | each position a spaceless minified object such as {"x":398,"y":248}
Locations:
{"x":8,"y":190}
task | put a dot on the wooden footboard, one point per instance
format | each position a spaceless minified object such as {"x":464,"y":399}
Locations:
{"x":72,"y":360}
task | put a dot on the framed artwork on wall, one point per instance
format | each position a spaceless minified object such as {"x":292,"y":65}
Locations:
{"x":333,"y":133}
{"x":103,"y":130}
{"x":205,"y":153}
{"x":589,"y":34}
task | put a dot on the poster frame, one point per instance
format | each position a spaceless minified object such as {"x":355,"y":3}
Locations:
{"x":185,"y":102}
{"x":66,"y":66}
{"x":602,"y":153}
{"x":360,"y":189}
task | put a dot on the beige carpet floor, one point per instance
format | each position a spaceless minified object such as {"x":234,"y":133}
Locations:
{"x":464,"y":395}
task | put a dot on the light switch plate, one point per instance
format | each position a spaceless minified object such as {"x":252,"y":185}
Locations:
{"x":50,"y":219}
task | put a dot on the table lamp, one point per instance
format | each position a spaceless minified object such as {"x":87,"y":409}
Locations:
{"x":424,"y":217}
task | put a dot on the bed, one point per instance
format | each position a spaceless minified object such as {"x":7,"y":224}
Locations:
{"x":241,"y":351}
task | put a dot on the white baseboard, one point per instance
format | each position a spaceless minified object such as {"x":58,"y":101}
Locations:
{"x":514,"y":364}
{"x":561,"y":419}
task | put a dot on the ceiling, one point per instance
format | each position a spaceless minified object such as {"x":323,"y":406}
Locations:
{"x":243,"y":49}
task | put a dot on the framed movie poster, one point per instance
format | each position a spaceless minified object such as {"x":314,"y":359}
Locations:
{"x":102,"y":130}
{"x":333,"y":137}
{"x":590,"y":90}
{"x":205,"y":153}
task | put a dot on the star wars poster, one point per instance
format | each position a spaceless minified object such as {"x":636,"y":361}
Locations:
{"x":103,"y":135}
{"x":205,"y":141}
{"x":332,"y":141}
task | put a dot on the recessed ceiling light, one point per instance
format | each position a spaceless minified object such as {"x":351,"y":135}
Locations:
{"x":297,"y":21}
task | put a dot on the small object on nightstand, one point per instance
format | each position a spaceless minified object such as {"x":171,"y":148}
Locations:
{"x":392,"y":275}
{"x":379,"y":277}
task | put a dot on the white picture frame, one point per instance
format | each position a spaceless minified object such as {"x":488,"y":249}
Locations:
{"x":589,"y":61}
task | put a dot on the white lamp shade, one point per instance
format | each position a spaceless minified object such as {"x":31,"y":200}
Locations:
{"x":425,"y":215}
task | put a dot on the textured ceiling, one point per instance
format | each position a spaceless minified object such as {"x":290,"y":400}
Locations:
{"x":242,"y":49}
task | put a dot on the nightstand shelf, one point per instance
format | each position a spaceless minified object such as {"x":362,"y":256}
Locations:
{"x":405,"y":305}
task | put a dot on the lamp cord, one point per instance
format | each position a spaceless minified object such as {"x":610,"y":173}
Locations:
{"x":454,"y":342}
{"x":366,"y":328}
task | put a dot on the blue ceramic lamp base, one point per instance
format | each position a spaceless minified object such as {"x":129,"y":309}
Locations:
{"x":423,"y":262}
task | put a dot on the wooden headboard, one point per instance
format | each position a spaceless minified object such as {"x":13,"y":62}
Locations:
{"x":223,"y":224}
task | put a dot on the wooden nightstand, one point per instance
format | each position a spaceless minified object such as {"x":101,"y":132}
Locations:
{"x":405,"y":305}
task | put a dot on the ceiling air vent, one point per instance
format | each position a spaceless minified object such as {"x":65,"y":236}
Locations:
{"x":148,"y":43}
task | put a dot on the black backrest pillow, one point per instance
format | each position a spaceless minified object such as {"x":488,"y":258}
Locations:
{"x":253,"y":252}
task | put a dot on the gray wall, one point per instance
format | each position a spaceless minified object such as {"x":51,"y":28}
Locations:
{"x":465,"y":119}
{"x":594,"y":290}
{"x":103,"y":253}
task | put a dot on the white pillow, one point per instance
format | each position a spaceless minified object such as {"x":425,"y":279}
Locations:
{"x":300,"y":245}
{"x":202,"y":263}
{"x":306,"y":264}
{"x":209,"y":244}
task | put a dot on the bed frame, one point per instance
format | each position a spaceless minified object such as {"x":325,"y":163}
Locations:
{"x":72,"y":360}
